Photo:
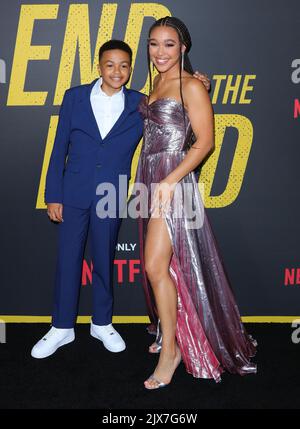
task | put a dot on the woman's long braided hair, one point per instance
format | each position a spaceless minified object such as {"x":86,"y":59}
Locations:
{"x":184,"y":39}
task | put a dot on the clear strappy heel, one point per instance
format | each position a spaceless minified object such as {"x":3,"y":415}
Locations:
{"x":158,"y":340}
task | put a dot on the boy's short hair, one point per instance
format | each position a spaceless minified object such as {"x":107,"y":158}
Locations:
{"x":115,"y":44}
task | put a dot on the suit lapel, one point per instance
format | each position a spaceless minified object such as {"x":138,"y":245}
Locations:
{"x":87,"y":115}
{"x":127,"y":109}
{"x":88,"y":120}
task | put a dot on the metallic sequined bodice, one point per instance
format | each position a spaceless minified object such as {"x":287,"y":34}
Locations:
{"x":165,"y":127}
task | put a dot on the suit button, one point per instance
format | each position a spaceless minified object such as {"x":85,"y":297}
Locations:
{"x":98,"y":165}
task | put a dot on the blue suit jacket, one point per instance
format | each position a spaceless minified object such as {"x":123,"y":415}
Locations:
{"x":80,"y":159}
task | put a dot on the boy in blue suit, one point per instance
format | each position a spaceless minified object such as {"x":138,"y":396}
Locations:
{"x":98,"y":131}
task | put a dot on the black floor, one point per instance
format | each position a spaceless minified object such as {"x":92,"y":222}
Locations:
{"x":83,"y":375}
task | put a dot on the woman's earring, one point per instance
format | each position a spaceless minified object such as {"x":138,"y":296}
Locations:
{"x":182,"y":60}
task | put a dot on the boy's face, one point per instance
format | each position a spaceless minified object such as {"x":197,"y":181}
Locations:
{"x":115,"y":69}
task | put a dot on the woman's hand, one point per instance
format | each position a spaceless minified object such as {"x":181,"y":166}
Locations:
{"x":54,"y":211}
{"x":163,"y":195}
{"x":203,"y":78}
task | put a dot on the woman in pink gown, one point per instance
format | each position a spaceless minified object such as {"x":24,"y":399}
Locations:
{"x":185,"y":282}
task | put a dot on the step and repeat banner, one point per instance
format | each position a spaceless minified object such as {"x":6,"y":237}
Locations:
{"x":250,"y":50}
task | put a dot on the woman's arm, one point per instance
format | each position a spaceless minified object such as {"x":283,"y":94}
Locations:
{"x":201,"y":116}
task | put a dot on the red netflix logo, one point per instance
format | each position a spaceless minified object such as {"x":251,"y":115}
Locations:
{"x":296,"y":108}
{"x":292,"y":277}
{"x":126,"y":269}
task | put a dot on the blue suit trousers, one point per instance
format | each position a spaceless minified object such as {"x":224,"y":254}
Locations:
{"x":72,"y":237}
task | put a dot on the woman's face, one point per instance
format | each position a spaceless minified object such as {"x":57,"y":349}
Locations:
{"x":164,"y":48}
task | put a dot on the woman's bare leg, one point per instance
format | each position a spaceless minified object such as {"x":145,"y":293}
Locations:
{"x":158,"y":253}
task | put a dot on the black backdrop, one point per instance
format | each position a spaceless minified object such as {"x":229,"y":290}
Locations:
{"x":251,"y":182}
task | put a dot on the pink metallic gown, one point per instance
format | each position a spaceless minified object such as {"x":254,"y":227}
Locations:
{"x":209,"y":330}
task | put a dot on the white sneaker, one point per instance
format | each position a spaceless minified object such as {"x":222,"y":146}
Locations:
{"x":54,"y":339}
{"x":112,"y":341}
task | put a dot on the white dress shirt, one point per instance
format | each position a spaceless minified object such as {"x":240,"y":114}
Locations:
{"x":107,"y":109}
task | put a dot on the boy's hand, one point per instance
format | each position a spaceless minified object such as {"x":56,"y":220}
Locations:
{"x":54,"y":211}
{"x":204,"y":79}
